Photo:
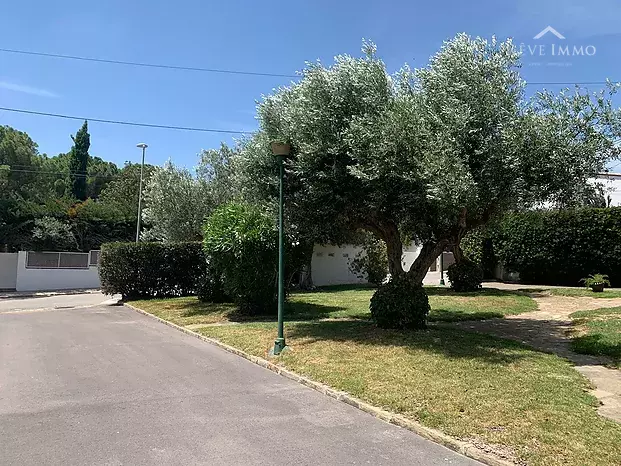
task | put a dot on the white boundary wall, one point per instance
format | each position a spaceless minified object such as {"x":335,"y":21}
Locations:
{"x":54,"y":279}
{"x":8,"y":270}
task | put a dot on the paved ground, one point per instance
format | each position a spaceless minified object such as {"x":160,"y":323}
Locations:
{"x":106,"y":386}
{"x":11,"y":302}
{"x":549,"y":329}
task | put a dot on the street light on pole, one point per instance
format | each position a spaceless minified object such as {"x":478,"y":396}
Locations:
{"x":280,"y":151}
{"x":143,"y":146}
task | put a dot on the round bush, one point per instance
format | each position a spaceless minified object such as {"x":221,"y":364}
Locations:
{"x":400,"y":304}
{"x":465,"y":276}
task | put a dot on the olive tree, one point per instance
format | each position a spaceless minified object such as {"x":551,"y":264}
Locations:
{"x":427,"y":154}
{"x":176,"y":204}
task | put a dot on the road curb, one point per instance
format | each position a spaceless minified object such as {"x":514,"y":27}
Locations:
{"x":466,"y":449}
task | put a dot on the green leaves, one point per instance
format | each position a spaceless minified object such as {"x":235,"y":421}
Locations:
{"x":152,"y":270}
{"x":561,"y":247}
{"x":79,"y":162}
{"x":435,"y":151}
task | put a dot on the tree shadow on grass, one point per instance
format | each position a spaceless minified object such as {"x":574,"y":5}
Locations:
{"x":293,"y":312}
{"x":597,"y":345}
{"x":548,"y":336}
{"x":452,"y":315}
{"x":440,"y":291}
{"x":449,"y":342}
{"x":338,"y":288}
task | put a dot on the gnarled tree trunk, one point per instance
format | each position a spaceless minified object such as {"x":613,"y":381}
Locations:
{"x":429,"y":253}
{"x":458,"y":253}
{"x":389,"y":233}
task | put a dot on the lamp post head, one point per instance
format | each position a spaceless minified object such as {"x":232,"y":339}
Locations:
{"x":142,"y":145}
{"x":280,"y":149}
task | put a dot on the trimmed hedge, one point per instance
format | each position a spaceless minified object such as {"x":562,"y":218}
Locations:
{"x":152,"y":270}
{"x":559,"y":247}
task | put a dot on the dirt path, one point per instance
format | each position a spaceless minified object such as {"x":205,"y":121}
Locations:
{"x":548,"y":329}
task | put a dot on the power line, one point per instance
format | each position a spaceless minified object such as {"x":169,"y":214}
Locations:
{"x":226,"y":71}
{"x":69,"y":173}
{"x":126,"y":123}
{"x":148,"y":65}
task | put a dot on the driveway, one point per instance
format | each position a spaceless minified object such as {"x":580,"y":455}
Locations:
{"x":103,"y":385}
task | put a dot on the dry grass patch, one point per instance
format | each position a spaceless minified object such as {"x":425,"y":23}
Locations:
{"x":467,"y":385}
{"x":186,"y":311}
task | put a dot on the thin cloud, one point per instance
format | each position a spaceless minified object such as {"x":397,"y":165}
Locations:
{"x":27,"y":89}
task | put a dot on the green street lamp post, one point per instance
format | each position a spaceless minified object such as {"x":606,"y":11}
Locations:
{"x":442,"y":268}
{"x":280,"y":151}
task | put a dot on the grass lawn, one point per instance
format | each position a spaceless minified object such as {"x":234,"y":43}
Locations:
{"x":529,"y":404}
{"x":346,"y":303}
{"x":575,"y":292}
{"x":599,"y":333}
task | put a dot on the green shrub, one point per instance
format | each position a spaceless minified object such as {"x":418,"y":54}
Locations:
{"x":210,"y":286}
{"x":465,"y":276}
{"x":561,"y":247}
{"x":477,"y":247}
{"x":151,"y":270}
{"x":401,"y":304}
{"x":242,"y":244}
{"x":372,"y":262}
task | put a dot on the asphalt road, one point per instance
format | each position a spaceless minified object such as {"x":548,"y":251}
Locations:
{"x":104,"y":385}
{"x":47,"y":301}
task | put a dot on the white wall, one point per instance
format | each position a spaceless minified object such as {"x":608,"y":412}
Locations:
{"x":54,"y":279}
{"x":330,"y":265}
{"x":410,"y":253}
{"x":8,"y":270}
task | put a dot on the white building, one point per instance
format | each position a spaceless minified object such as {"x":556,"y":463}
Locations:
{"x":330,"y":264}
{"x":611,"y":183}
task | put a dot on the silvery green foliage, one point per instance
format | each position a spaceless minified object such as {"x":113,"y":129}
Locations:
{"x":52,"y":234}
{"x":216,"y":169}
{"x":175,"y":205}
{"x":425,"y":154}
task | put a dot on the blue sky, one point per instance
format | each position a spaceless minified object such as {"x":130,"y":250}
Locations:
{"x":268,"y":36}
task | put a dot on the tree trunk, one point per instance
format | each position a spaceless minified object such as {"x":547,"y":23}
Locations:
{"x":394,"y":251}
{"x":389,"y":233}
{"x":428,"y":253}
{"x":458,"y":253}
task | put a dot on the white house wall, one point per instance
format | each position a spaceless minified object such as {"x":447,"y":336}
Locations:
{"x":54,"y":279}
{"x":330,"y":263}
